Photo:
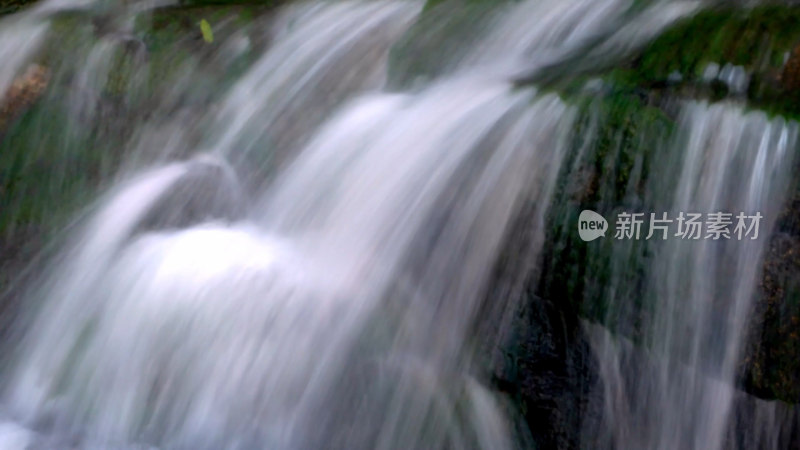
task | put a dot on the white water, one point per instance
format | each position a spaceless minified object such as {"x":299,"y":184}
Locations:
{"x":330,"y":53}
{"x":335,"y":305}
{"x":538,"y":34}
{"x":251,"y":333}
{"x":681,"y":395}
{"x":330,"y":316}
{"x":21,"y":36}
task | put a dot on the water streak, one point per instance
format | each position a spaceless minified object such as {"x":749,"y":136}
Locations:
{"x":700,"y":293}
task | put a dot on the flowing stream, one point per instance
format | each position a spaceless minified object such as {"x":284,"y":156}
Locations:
{"x":305,"y":260}
{"x":682,"y":395}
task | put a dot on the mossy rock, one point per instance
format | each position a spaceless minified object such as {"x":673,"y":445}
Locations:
{"x":53,"y":161}
{"x":176,"y":47}
{"x":47,"y":135}
{"x":607,"y":171}
{"x":758,"y":40}
{"x":578,"y":272}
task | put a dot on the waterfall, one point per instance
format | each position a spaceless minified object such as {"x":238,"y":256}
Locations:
{"x":299,"y":256}
{"x":333,"y":52}
{"x":700,"y":293}
{"x":336,"y":310}
{"x":255,"y":323}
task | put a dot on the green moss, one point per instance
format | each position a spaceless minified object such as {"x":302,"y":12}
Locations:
{"x":176,"y":49}
{"x":616,"y":133}
{"x":756,"y":39}
{"x":614,"y":149}
{"x":47,"y":171}
{"x":53,"y":161}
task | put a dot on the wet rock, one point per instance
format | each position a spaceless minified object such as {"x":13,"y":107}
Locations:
{"x":772,"y":362}
{"x":23,"y":93}
{"x":790,"y":77}
{"x":549,"y":370}
{"x":10,"y":6}
{"x":209,"y":192}
{"x":743,"y":54}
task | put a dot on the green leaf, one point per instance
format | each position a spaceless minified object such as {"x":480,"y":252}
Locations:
{"x":205,"y":27}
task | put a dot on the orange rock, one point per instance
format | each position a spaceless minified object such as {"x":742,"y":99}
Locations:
{"x":23,"y":93}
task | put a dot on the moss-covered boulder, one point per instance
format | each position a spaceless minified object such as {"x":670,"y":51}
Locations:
{"x":67,"y":122}
{"x":699,"y":57}
{"x":617,"y":141}
{"x":724,"y":51}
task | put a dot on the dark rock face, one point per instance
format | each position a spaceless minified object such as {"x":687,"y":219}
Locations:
{"x":549,"y":371}
{"x":10,"y":6}
{"x":547,"y":365}
{"x":541,"y":359}
{"x":772,"y":363}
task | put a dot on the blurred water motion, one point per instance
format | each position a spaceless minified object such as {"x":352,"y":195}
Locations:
{"x":292,"y":256}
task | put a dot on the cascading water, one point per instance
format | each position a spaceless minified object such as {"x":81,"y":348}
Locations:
{"x":257,"y":329}
{"x":334,"y":52}
{"x":682,"y":393}
{"x":314,"y":273}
